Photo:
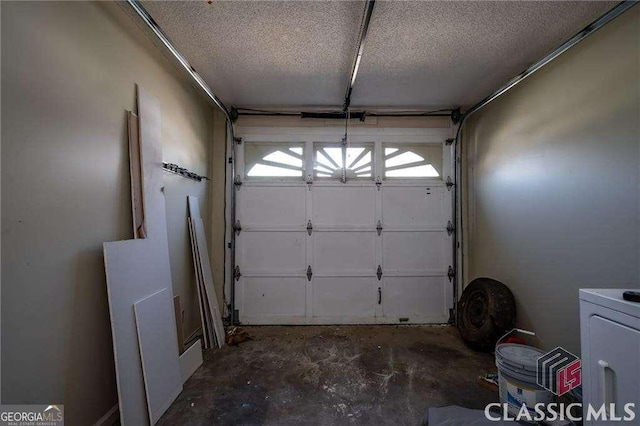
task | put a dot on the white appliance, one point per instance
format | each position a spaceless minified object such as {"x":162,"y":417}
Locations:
{"x":610,"y":340}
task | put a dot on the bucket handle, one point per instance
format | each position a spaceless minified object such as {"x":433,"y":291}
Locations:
{"x":519,"y":330}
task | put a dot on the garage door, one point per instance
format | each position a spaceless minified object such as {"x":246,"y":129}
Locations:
{"x":333,"y":233}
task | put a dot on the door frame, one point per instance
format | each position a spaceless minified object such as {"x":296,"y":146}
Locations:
{"x":333,"y":134}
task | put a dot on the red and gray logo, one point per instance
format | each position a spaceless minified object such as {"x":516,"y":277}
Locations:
{"x":559,"y":371}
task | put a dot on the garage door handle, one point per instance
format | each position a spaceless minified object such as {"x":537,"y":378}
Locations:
{"x":379,"y":295}
{"x":309,"y":273}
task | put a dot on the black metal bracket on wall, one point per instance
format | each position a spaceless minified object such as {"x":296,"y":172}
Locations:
{"x":181,"y":171}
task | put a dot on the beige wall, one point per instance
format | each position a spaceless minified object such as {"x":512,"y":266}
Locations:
{"x":68,"y":74}
{"x":554,"y":182}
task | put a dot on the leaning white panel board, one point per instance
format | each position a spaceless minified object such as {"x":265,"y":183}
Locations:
{"x":190,"y":360}
{"x":160,"y":365}
{"x":207,"y":276}
{"x":138,"y":268}
{"x":205,"y":269}
{"x":204,"y":319}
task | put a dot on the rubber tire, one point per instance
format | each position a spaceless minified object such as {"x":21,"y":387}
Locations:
{"x":486,"y":311}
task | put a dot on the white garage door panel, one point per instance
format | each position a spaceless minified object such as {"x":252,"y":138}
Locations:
{"x":344,"y":253}
{"x":414,"y":252}
{"x":344,"y":297}
{"x":312,"y":252}
{"x":417,"y":206}
{"x":343,"y":206}
{"x":272,"y":206}
{"x":272,"y":252}
{"x":423,"y":297}
{"x":273,"y":296}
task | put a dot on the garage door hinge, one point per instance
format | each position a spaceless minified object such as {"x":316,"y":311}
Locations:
{"x":449,"y":183}
{"x":309,"y":273}
{"x":449,"y":141}
{"x":237,"y":227}
{"x":238,"y":140}
{"x":236,"y":273}
{"x":450,"y":228}
{"x":451,"y":274}
{"x":379,"y":272}
{"x":378,"y":183}
{"x":237,"y":182}
{"x":379,"y":228}
{"x":309,"y":227}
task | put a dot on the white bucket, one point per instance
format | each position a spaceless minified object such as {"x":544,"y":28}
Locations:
{"x":517,"y":377}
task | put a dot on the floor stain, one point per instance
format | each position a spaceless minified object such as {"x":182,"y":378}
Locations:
{"x":328,"y":375}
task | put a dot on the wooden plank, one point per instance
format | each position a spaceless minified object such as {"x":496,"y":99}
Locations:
{"x":177,"y":311}
{"x":208,"y":280}
{"x":138,"y":268}
{"x":190,"y":360}
{"x":135,"y":169}
{"x":201,"y":298}
{"x":158,"y":351}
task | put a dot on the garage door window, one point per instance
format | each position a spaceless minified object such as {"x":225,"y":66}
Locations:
{"x":412,"y":161}
{"x":331,"y":161}
{"x":274,"y":160}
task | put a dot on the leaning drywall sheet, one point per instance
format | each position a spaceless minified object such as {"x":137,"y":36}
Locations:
{"x":194,"y":206}
{"x":205,"y":267}
{"x":208,"y":280}
{"x":190,"y":360}
{"x":136,"y":269}
{"x":158,"y":351}
{"x":204,"y":317}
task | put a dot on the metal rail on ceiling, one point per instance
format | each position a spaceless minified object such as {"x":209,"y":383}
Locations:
{"x":155,"y":28}
{"x":362,"y":39}
{"x":577,"y":38}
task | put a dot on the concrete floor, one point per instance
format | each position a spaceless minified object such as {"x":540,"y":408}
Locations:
{"x":331,"y":375}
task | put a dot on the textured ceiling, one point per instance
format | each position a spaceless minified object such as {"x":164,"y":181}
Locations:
{"x":418,"y":54}
{"x":266,"y":52}
{"x":457,"y":53}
